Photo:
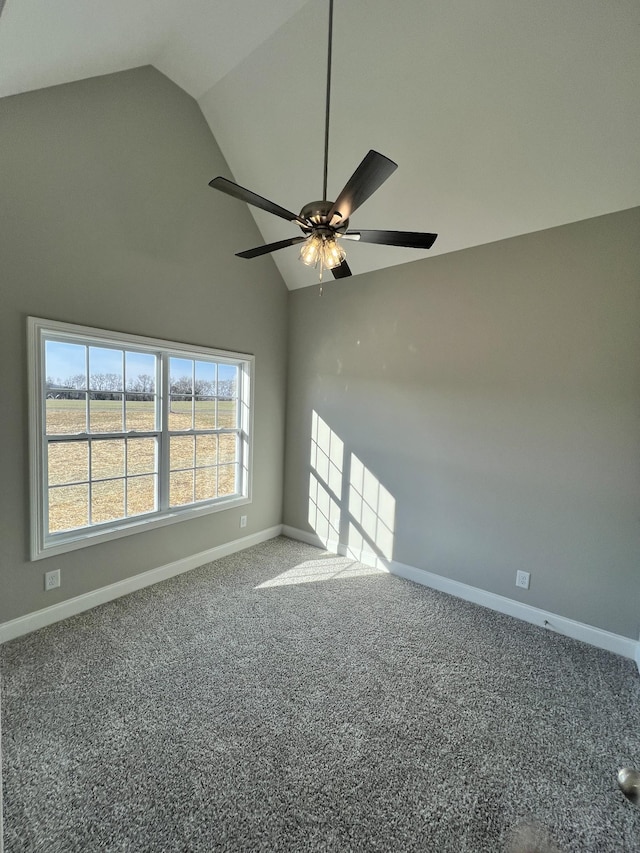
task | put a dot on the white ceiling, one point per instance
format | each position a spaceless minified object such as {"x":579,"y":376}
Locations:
{"x":505,"y":116}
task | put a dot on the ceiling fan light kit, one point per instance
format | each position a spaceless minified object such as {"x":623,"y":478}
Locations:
{"x":324,"y":224}
{"x":323,"y":251}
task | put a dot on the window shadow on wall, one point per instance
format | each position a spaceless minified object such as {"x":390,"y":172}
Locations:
{"x":350,"y":511}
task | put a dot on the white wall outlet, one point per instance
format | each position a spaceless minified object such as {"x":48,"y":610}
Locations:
{"x":522,"y":579}
{"x":51,"y":580}
{"x":243,"y":521}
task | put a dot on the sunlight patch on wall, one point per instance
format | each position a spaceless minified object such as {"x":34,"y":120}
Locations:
{"x":327,"y":454}
{"x":324,"y":513}
{"x":325,"y":481}
{"x":312,"y":571}
{"x":350,"y":511}
{"x":372,"y":513}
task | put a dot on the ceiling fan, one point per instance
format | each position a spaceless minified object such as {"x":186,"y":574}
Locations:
{"x":324,"y":223}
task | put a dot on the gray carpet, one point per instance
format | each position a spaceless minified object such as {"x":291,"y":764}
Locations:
{"x":283,"y":699}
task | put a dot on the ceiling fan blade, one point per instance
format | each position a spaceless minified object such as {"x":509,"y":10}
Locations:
{"x":367,"y":178}
{"x":342,"y":271}
{"x":256,"y":200}
{"x":270,"y":247}
{"x":411,"y":239}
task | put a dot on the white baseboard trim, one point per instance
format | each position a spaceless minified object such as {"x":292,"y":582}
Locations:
{"x":615,"y":643}
{"x":72,"y":606}
{"x":331,"y":545}
{"x":624,"y":646}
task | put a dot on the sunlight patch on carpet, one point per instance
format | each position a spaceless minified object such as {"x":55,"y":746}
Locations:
{"x":312,"y":571}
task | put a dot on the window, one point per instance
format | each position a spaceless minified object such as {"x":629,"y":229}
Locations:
{"x":130,"y":432}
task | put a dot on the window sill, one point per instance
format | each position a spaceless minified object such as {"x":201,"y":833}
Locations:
{"x":73,"y":540}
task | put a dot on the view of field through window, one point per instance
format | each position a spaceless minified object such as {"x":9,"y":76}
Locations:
{"x":103,"y":425}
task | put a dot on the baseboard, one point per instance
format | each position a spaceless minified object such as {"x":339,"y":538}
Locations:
{"x":615,"y":643}
{"x":72,"y":606}
{"x":331,"y":545}
{"x":624,"y":646}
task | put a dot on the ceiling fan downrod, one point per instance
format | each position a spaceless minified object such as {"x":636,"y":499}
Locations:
{"x":328,"y":102}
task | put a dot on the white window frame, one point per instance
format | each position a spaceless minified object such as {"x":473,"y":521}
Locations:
{"x":45,"y":544}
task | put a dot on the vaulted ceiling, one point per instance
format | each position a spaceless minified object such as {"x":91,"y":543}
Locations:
{"x":505,"y":116}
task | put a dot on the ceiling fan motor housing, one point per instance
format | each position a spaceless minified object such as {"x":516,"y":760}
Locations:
{"x":317,"y":212}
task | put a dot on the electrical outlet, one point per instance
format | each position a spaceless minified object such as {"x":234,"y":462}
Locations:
{"x":243,"y":521}
{"x":522,"y":579}
{"x":51,"y":580}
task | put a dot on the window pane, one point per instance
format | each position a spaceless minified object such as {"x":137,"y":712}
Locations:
{"x":227,"y":414}
{"x":227,"y":448}
{"x":113,"y":410}
{"x":66,"y":417}
{"x":141,"y":495}
{"x":205,"y":483}
{"x":65,"y":365}
{"x":107,"y":458}
{"x":140,"y":369}
{"x":180,"y":415}
{"x":180,"y":488}
{"x":205,"y":378}
{"x":205,"y":412}
{"x":105,"y":369}
{"x":107,"y":501}
{"x":141,"y":456}
{"x":181,"y":451}
{"x":227,"y":381}
{"x":105,"y":415}
{"x":181,"y":376}
{"x":68,"y":462}
{"x":206,"y":449}
{"x":226,"y":480}
{"x":140,"y":413}
{"x":68,"y":508}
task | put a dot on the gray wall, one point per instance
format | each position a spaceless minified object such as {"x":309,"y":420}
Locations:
{"x":493,"y":394}
{"x":107,"y":220}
